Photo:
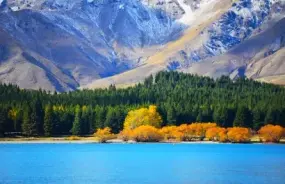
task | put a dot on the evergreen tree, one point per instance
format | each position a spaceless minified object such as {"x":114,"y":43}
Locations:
{"x":58,"y":119}
{"x":91,"y":119}
{"x":148,"y":81}
{"x":99,"y":117}
{"x":270,"y":117}
{"x":114,"y":120}
{"x":257,"y":119}
{"x":18,"y":121}
{"x":48,"y":121}
{"x":3,"y":119}
{"x":77,"y":128}
{"x":243,"y":117}
{"x":219,"y":116}
{"x":36,"y":117}
{"x":199,"y":117}
{"x":27,"y":126}
{"x":171,"y":116}
{"x":282,"y":118}
{"x":86,"y":119}
{"x":229,"y":117}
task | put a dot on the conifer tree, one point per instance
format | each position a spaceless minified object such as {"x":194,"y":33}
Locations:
{"x":114,"y":120}
{"x":27,"y":127}
{"x":243,"y":117}
{"x":270,"y":117}
{"x":76,"y":128}
{"x":48,"y":121}
{"x":3,"y":119}
{"x":36,"y":117}
{"x":257,"y":119}
{"x":171,"y":116}
{"x":99,"y":117}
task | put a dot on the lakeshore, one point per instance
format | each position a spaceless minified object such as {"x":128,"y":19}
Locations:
{"x":88,"y":140}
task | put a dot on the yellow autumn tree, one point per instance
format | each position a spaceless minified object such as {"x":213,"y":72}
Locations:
{"x":271,"y":133}
{"x":147,"y":133}
{"x":143,"y":116}
{"x":103,"y":135}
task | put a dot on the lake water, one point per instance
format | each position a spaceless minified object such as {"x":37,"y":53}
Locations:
{"x":142,"y":163}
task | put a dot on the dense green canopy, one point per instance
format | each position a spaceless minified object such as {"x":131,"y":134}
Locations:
{"x":180,"y":98}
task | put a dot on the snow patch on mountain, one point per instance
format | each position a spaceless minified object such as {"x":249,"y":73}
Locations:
{"x":188,"y":15}
{"x":195,"y":11}
{"x":232,"y":28}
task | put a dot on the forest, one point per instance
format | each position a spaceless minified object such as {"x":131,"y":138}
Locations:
{"x":180,"y":99}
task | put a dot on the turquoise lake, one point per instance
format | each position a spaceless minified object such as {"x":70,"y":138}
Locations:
{"x":142,"y":163}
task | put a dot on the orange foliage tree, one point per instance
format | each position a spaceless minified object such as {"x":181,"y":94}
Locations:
{"x":216,"y":134}
{"x":126,"y":134}
{"x":103,"y":135}
{"x":223,"y":137}
{"x":194,"y":130}
{"x":238,"y":134}
{"x":171,"y":133}
{"x":146,"y":133}
{"x":199,"y":129}
{"x":185,"y":132}
{"x":271,"y":133}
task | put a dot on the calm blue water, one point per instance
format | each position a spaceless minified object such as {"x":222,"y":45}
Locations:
{"x":142,"y":163}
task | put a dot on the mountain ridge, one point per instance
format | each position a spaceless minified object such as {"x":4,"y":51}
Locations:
{"x":63,"y":45}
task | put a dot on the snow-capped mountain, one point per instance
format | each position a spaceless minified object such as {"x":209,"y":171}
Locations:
{"x":65,"y":44}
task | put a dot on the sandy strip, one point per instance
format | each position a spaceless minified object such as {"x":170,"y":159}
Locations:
{"x":48,"y":142}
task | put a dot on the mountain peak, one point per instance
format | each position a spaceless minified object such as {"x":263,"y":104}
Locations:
{"x":65,"y":44}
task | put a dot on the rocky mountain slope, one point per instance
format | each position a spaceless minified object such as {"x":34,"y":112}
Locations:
{"x":66,"y":44}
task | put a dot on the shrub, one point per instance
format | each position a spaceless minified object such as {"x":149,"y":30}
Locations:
{"x":223,"y":137}
{"x":212,"y":134}
{"x":271,"y":133}
{"x":126,"y":134}
{"x":199,"y":129}
{"x":217,"y":134}
{"x":186,"y":134}
{"x":146,"y":133}
{"x":194,"y":130}
{"x":171,"y":133}
{"x":238,"y":134}
{"x":103,"y":135}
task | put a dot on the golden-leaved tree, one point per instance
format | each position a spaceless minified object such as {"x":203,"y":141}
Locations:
{"x":271,"y":133}
{"x":103,"y":135}
{"x":143,"y":116}
{"x":147,"y":133}
{"x":239,"y":134}
{"x":216,"y":134}
{"x":171,"y":133}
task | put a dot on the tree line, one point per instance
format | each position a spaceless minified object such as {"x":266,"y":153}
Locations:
{"x":180,"y":98}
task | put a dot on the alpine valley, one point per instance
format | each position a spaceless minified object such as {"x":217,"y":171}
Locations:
{"x":63,"y":45}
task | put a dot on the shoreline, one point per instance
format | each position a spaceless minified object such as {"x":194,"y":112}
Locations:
{"x":90,"y":140}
